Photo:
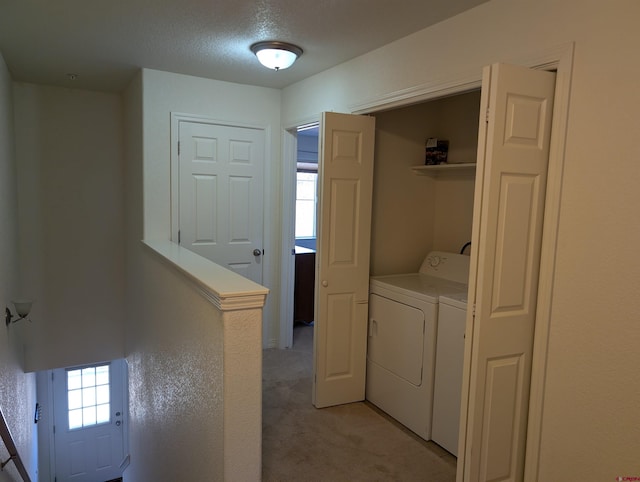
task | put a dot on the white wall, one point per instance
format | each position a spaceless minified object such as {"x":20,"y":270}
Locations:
{"x":194,"y":371}
{"x":457,"y":115}
{"x":174,"y":355}
{"x":165,"y":93}
{"x":175,"y":379}
{"x":415,"y":214}
{"x":403,"y":203}
{"x":591,"y":420}
{"x":71,"y":205}
{"x":17,"y":389}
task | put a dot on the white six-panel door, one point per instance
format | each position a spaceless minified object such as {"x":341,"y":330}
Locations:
{"x":221,"y":194}
{"x":508,"y":217}
{"x":345,"y":187}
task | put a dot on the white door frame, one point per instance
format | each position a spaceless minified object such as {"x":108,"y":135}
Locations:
{"x":559,"y":59}
{"x":289,"y":154}
{"x":289,"y":169}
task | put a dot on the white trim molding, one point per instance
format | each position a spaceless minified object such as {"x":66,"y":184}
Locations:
{"x":562,"y":63}
{"x":227,"y":290}
{"x":418,"y":93}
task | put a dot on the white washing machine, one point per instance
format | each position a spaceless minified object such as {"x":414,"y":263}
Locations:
{"x":447,"y":390}
{"x":401,"y":352}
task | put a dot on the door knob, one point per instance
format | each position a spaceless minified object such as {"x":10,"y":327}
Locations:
{"x":257,"y":252}
{"x":325,"y":283}
{"x":118,"y":422}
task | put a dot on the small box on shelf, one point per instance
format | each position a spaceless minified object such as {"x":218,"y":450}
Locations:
{"x":436,"y":151}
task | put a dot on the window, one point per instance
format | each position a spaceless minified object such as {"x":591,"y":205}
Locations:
{"x":306,"y":204}
{"x":88,"y":396}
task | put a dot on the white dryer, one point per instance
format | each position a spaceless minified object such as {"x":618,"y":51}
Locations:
{"x":403,"y":318}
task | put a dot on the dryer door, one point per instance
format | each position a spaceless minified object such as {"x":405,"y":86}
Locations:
{"x":396,"y":338}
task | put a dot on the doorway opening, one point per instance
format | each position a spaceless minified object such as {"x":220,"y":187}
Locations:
{"x":306,"y":197}
{"x":306,"y":186}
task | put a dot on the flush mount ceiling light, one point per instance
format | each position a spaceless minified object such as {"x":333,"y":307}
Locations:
{"x":276,"y":55}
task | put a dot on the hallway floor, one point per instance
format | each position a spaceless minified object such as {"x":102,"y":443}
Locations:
{"x":354,"y":442}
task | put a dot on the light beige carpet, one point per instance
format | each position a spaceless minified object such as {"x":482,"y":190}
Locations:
{"x":354,"y":442}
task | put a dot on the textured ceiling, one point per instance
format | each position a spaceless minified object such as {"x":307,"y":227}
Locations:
{"x":105,"y":41}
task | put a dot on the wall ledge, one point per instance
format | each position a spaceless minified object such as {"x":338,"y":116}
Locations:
{"x":227,"y":290}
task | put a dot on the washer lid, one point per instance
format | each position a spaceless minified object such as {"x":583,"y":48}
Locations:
{"x":417,"y":285}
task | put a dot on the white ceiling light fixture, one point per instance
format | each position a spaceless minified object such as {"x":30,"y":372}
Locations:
{"x":276,"y":55}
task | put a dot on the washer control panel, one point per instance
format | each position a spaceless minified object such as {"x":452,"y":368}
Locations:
{"x":434,"y":261}
{"x":451,"y":266}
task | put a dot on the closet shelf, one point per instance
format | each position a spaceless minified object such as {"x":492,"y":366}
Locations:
{"x":453,"y":169}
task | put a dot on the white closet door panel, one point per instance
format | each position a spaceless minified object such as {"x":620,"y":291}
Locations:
{"x":508,"y":233}
{"x":240,"y":210}
{"x":204,"y":193}
{"x":345,"y":185}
